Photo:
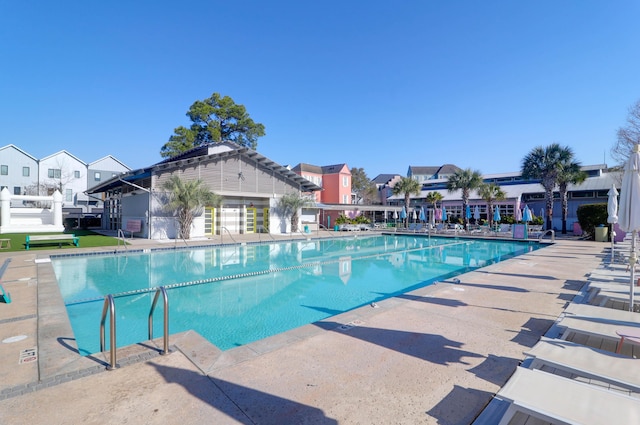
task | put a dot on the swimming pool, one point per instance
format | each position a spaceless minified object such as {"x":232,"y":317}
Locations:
{"x":234,"y":295}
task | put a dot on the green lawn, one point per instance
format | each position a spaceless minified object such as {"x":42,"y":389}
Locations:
{"x":87,"y":238}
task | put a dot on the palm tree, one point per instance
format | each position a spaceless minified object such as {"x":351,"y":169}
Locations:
{"x":433,"y":198}
{"x":186,"y":199}
{"x":546,"y":164}
{"x":491,"y":192}
{"x":571,"y":174}
{"x":466,"y":181}
{"x":407,"y":186}
{"x":290,"y":204}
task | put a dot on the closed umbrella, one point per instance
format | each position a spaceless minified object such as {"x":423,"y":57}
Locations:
{"x":496,"y":214}
{"x":415,"y":216}
{"x":612,"y":213}
{"x":542,"y":215}
{"x":629,"y":212}
{"x":444,"y":213}
{"x":437,"y":214}
{"x":403,"y":215}
{"x":476,"y":213}
{"x":518,"y":213}
{"x":526,"y":214}
{"x":467,"y":212}
{"x":422,"y":216}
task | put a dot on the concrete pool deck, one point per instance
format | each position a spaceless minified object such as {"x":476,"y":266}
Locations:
{"x":436,"y":355}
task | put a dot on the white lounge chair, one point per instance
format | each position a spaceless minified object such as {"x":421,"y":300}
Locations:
{"x":586,"y":362}
{"x":559,"y":400}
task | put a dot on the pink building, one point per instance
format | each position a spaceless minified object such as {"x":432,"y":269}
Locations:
{"x":335,"y":181}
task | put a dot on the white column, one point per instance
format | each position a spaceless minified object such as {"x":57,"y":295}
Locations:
{"x":57,"y":208}
{"x":5,"y":207}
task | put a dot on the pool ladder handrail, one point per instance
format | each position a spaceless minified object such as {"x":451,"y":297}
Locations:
{"x":109,"y":307}
{"x":124,"y":243}
{"x":165,"y":301}
{"x":222,"y":235}
{"x":553,"y":235}
{"x":264,"y":231}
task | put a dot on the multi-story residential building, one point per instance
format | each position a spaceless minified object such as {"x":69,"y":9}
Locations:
{"x":23,"y":174}
{"x":422,"y":174}
{"x":18,"y":170}
{"x":385,"y":183}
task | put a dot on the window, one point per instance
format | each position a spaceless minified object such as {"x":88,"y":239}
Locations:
{"x":68,"y":195}
{"x":345,"y":199}
{"x":76,"y":174}
{"x":345,"y":181}
{"x":4,"y":170}
{"x":54,"y":173}
{"x":96,"y":176}
{"x":26,"y":171}
{"x":16,"y":190}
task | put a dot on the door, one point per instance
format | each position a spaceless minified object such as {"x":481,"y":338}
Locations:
{"x":251,"y":220}
{"x":209,"y":221}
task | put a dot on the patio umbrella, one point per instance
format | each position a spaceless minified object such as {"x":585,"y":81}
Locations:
{"x":467,"y":212}
{"x":542,"y":215}
{"x":629,"y":213}
{"x":476,"y":213}
{"x":444,"y":213}
{"x":612,"y":213}
{"x":403,"y":214}
{"x":422,"y":216}
{"x":415,"y":216}
{"x":437,"y":214}
{"x":496,"y":213}
{"x":526,"y":214}
{"x":518,"y":213}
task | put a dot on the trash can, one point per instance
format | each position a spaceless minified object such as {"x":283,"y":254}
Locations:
{"x":336,"y":228}
{"x":602,"y":234}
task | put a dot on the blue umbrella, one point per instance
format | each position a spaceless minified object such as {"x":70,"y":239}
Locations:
{"x":422,"y":216}
{"x":467,"y":213}
{"x":444,"y":213}
{"x":403,"y":214}
{"x":496,"y":214}
{"x":526,"y":214}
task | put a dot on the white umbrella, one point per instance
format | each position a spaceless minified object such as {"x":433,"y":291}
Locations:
{"x":612,"y":211}
{"x":629,"y":213}
{"x":476,"y":213}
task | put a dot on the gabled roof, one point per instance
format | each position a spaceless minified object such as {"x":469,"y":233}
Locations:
{"x":384,"y":178}
{"x":109,"y":157}
{"x":19,"y":150}
{"x":301,"y":168}
{"x":448,"y":169}
{"x":201,"y":154}
{"x":426,"y":170}
{"x":333,"y":169}
{"x":66,"y":153}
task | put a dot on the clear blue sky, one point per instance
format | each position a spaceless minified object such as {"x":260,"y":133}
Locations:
{"x":375,"y":84}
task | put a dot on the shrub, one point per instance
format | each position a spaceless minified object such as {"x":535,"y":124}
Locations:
{"x":590,"y":216}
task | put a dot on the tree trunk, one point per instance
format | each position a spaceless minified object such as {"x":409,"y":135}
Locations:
{"x":549,"y":202}
{"x":565,"y":213}
{"x":294,"y":222}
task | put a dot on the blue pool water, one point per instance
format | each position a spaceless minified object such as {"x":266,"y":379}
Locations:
{"x":234,"y":295}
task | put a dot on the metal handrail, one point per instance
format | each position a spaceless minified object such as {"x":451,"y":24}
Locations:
{"x":265,"y":231}
{"x":124,"y":243}
{"x":109,"y":306}
{"x":222,"y":235}
{"x":553,"y":235}
{"x":165,"y":300}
